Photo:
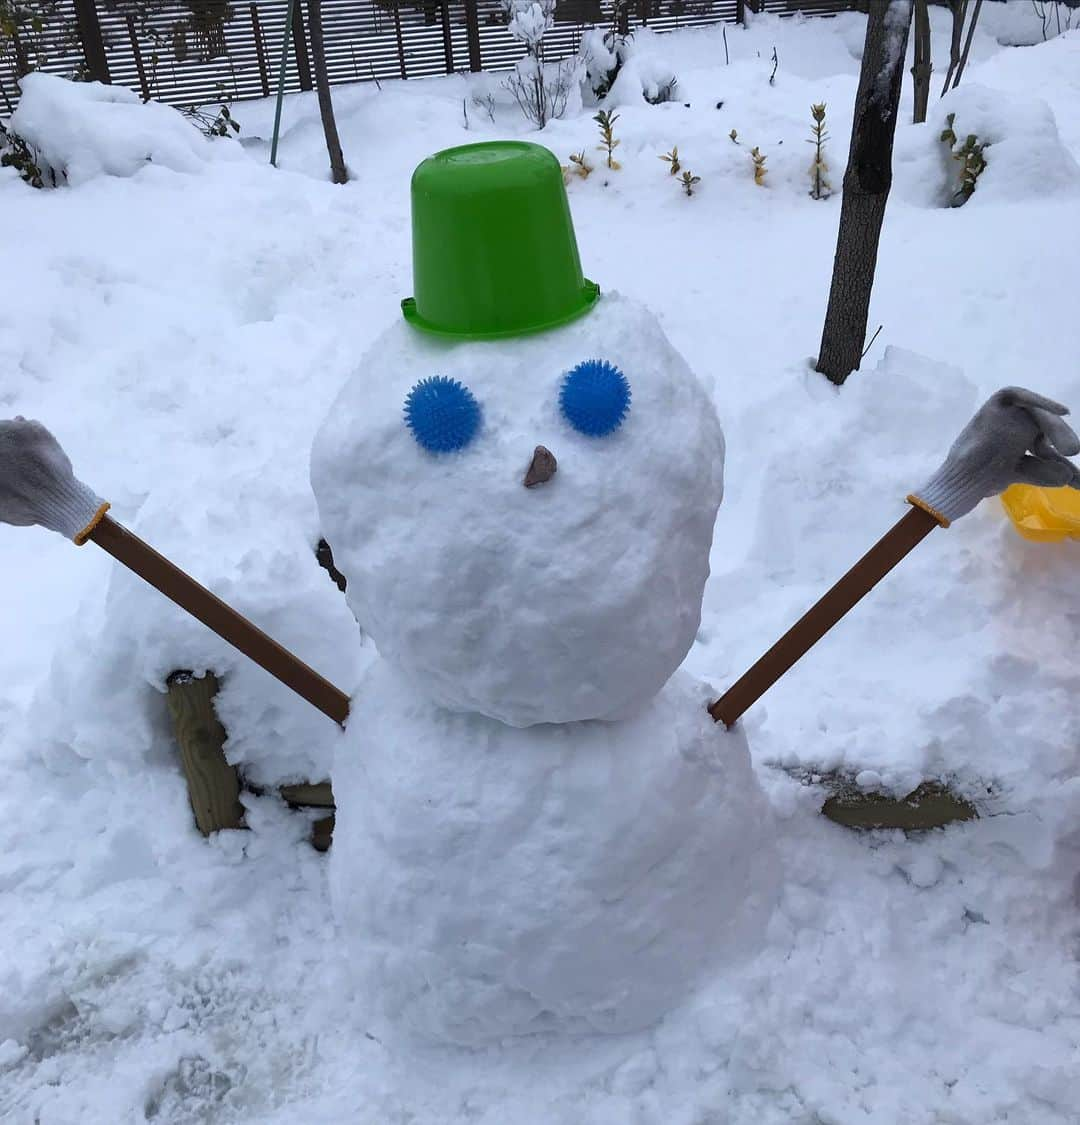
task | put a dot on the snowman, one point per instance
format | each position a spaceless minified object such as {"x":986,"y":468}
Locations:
{"x":540,"y":827}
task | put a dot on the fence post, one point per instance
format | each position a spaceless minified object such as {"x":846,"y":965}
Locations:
{"x":472,"y":35}
{"x":303,"y":66}
{"x":260,"y":51}
{"x":447,"y":38}
{"x":740,"y":11}
{"x":133,"y":38}
{"x":400,"y":41}
{"x":86,"y":19}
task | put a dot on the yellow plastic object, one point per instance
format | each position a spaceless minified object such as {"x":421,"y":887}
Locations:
{"x":1046,"y":515}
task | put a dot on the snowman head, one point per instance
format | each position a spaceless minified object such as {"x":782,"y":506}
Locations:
{"x":525,"y":520}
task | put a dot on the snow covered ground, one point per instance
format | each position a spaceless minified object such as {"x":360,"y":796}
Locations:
{"x":184,"y":331}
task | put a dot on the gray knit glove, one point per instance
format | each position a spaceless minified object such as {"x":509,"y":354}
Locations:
{"x":1017,"y":437}
{"x":37,"y":484}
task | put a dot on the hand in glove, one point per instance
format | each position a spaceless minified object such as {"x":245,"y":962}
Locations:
{"x":37,"y":484}
{"x":1017,"y":437}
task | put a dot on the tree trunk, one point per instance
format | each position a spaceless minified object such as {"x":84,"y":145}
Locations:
{"x":322,"y":83}
{"x":866,"y":188}
{"x":959,"y":12}
{"x":921,"y":68}
{"x":967,"y":43}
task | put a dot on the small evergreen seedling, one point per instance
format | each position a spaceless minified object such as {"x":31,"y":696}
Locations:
{"x":820,"y":188}
{"x":580,"y":165}
{"x":733,"y":137}
{"x":688,"y":180}
{"x":972,"y":163}
{"x":759,"y":166}
{"x":606,"y":120}
{"x":970,"y":156}
{"x":673,"y":160}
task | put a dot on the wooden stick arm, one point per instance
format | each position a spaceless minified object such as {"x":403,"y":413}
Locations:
{"x":215,"y":614}
{"x":809,"y":629}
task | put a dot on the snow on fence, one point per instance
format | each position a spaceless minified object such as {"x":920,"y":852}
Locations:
{"x":365,"y":40}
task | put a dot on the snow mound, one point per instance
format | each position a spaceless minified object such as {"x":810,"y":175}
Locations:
{"x":573,"y":600}
{"x":87,"y":129}
{"x":583,"y":877}
{"x":1025,"y":156}
{"x":143,"y":638}
{"x":645,"y":73}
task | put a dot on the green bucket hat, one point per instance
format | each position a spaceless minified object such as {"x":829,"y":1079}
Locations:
{"x":494,"y":252}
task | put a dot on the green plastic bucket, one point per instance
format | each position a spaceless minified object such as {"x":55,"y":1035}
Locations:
{"x":494,"y":252}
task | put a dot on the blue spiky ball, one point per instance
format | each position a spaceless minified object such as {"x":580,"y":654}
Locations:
{"x":595,"y":397}
{"x":442,"y":414}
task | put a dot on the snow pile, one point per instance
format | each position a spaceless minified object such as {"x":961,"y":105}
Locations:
{"x":273,"y":734}
{"x":1024,"y":154}
{"x":88,"y":129}
{"x":645,"y":73}
{"x":574,"y":877}
{"x":573,"y":600}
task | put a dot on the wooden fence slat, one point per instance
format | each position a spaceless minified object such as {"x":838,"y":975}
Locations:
{"x":472,"y":33}
{"x":138,"y":59}
{"x":447,"y":38}
{"x":400,"y":42}
{"x":86,"y":19}
{"x":256,"y":31}
{"x":303,"y":64}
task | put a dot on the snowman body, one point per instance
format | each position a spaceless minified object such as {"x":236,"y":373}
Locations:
{"x":540,"y":828}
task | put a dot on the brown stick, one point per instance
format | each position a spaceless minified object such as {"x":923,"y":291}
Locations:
{"x":226,"y":622}
{"x":808,"y":630}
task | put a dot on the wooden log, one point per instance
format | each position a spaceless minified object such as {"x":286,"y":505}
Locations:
{"x":322,"y":833}
{"x":213,"y":785}
{"x":309,"y":795}
{"x":314,"y":795}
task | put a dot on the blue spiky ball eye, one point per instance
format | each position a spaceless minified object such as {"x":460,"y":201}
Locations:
{"x":442,"y":414}
{"x":594,"y":397}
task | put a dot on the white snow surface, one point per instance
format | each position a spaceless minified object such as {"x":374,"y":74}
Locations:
{"x":185,"y":335}
{"x":575,"y":599}
{"x":566,"y":878}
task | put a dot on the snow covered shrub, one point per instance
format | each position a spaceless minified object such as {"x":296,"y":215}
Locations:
{"x":85,"y":129}
{"x":23,"y":157}
{"x":620,"y":68}
{"x":604,"y":52}
{"x":1025,"y":158}
{"x":211,"y":125}
{"x":541,"y":90}
{"x":656,"y":93}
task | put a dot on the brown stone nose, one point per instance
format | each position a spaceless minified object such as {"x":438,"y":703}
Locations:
{"x":541,"y":468}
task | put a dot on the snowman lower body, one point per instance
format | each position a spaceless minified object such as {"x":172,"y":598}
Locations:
{"x":492,"y":881}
